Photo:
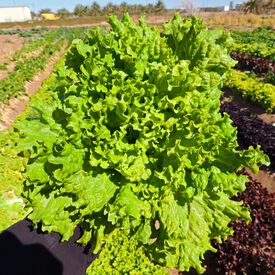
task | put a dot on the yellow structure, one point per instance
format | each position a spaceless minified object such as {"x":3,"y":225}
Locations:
{"x":50,"y":16}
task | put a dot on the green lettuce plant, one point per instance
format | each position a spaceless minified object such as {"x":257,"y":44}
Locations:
{"x":252,"y":89}
{"x":133,"y":138}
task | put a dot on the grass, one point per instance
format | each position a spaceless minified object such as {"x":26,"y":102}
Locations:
{"x":236,"y":20}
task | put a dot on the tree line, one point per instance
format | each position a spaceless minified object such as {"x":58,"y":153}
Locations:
{"x":259,"y":6}
{"x":96,"y":10}
{"x":254,"y":6}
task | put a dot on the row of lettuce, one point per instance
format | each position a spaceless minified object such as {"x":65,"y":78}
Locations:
{"x":26,"y":33}
{"x":175,"y":165}
{"x":33,"y":58}
{"x":263,"y":94}
{"x":260,"y":42}
{"x":254,"y":74}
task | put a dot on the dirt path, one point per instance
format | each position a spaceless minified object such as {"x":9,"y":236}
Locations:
{"x":8,"y":113}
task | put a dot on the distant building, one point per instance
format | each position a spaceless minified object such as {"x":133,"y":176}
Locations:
{"x":215,"y":9}
{"x":238,"y":7}
{"x":226,"y":8}
{"x":14,"y":14}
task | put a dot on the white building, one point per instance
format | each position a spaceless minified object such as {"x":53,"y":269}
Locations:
{"x":226,"y":8}
{"x":15,"y":14}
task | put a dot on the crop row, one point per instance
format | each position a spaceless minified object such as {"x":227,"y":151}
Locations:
{"x":14,"y":83}
{"x":248,"y":87}
{"x":254,"y":64}
{"x":251,"y":130}
{"x":250,"y":249}
{"x":262,"y":69}
{"x":260,"y":42}
{"x":262,"y":35}
{"x":26,"y":68}
{"x":33,"y":43}
{"x":24,"y":33}
{"x":254,"y":49}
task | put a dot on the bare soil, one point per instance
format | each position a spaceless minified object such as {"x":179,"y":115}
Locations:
{"x":8,"y":113}
{"x":266,"y":177}
{"x":9,"y":44}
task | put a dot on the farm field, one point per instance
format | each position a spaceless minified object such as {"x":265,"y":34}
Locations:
{"x":166,"y":142}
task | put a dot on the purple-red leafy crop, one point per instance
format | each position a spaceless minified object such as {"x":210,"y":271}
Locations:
{"x":253,"y":63}
{"x":251,"y":130}
{"x":250,"y":249}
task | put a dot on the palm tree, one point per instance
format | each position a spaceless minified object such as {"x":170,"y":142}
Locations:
{"x":95,"y":9}
{"x":80,"y":10}
{"x":160,"y":7}
{"x":63,"y":13}
{"x":124,"y":7}
{"x":259,"y":6}
{"x":45,"y":11}
{"x":109,"y":8}
{"x":251,"y":6}
{"x":149,"y":8}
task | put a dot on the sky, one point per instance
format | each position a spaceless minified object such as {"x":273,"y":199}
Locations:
{"x":54,"y":5}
